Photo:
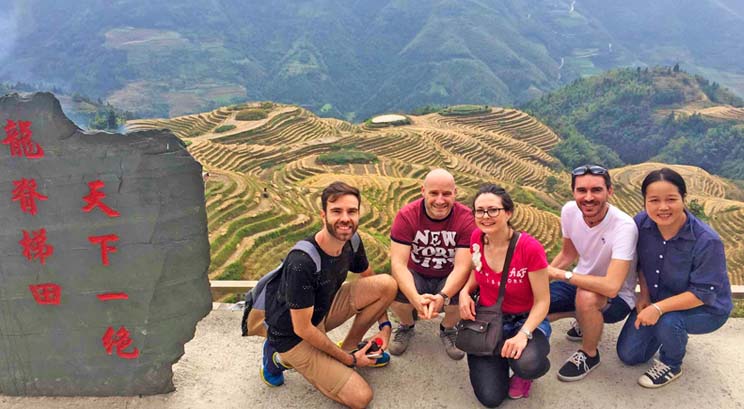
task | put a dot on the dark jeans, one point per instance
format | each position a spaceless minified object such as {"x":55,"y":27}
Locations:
{"x":563,"y":299}
{"x":489,"y":375}
{"x":636,"y":346}
{"x":427,"y":285}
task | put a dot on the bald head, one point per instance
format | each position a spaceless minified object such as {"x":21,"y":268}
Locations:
{"x":439,"y":177}
{"x":439,"y":193}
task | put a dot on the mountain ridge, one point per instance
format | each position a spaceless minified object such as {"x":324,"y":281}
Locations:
{"x":351,"y":59}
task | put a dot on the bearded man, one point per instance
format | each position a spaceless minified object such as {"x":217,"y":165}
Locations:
{"x":305,"y":302}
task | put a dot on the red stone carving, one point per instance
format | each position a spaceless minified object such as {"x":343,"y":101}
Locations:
{"x":112,"y":296}
{"x":18,"y":138}
{"x":105,"y":248}
{"x":121,"y":340}
{"x":25,"y":193}
{"x":46,"y":293}
{"x":93,"y":199}
{"x":35,"y":245}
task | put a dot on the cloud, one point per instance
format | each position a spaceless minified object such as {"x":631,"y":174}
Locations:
{"x":8,"y":31}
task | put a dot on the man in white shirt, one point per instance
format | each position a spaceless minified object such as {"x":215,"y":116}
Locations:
{"x":601,"y":287}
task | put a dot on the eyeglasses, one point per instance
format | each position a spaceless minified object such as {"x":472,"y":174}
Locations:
{"x":591,"y":169}
{"x":490,"y":212}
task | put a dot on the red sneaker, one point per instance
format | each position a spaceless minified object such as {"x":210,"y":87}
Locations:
{"x":519,"y":388}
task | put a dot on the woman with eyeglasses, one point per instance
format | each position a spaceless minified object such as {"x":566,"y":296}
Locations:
{"x":684,"y":282}
{"x":525,"y":305}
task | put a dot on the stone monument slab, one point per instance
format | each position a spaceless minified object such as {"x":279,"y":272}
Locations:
{"x":103,"y":255}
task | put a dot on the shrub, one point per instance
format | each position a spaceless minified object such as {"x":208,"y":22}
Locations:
{"x":224,"y":128}
{"x":457,"y":110}
{"x":234,"y":271}
{"x":342,"y":157}
{"x":251,"y":115}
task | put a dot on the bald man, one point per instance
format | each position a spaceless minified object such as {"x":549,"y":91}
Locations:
{"x":430,"y":260}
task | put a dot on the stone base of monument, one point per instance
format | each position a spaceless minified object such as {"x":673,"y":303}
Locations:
{"x":103,"y":255}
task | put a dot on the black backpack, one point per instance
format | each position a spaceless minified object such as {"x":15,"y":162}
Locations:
{"x":254,"y":311}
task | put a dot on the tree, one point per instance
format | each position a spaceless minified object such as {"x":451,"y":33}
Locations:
{"x":550,"y":183}
{"x":697,"y":209}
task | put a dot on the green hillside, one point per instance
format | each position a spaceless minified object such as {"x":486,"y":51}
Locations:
{"x":633,"y":115}
{"x":353,"y":58}
{"x":265,"y":177}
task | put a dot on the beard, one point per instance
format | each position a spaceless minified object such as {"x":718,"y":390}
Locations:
{"x":342,"y":236}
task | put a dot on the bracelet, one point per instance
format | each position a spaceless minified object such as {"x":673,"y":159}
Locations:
{"x":658,"y":309}
{"x":385,"y":324}
{"x":353,"y":361}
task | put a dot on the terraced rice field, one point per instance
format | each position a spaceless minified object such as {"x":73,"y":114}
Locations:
{"x":264,"y":184}
{"x":725,"y":112}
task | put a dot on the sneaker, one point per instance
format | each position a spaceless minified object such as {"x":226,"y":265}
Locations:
{"x":448,"y":337}
{"x":519,"y":387}
{"x":574,"y":334}
{"x":401,"y":338}
{"x":379,"y":362}
{"x":578,"y":366}
{"x":658,"y":375}
{"x":271,"y":373}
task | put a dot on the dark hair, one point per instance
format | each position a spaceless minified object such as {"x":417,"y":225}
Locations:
{"x":506,"y":200}
{"x":595,"y":170}
{"x":664,"y":174}
{"x":336,"y":190}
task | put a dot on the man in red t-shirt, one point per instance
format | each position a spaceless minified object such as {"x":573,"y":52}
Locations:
{"x":430,"y":260}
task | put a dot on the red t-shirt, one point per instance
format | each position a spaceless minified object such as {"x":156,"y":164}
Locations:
{"x":529,"y":255}
{"x":433,"y":242}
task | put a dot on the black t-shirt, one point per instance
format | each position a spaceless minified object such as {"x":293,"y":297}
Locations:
{"x":301,"y":287}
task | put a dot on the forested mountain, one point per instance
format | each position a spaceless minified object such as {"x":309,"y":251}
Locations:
{"x":633,"y":115}
{"x":354,"y":58}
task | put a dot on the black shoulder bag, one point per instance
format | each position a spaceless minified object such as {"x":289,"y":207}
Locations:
{"x":481,"y":336}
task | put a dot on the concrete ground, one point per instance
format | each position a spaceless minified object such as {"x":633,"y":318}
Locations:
{"x":220,"y":370}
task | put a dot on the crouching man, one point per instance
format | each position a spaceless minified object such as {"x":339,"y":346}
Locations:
{"x":306,"y":301}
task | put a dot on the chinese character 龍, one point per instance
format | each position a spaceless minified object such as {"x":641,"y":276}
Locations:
{"x":18,"y":138}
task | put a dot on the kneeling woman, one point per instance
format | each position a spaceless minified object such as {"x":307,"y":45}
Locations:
{"x":525,"y":305}
{"x":683,"y":278}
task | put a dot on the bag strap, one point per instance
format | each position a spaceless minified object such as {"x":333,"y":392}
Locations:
{"x":505,"y":270}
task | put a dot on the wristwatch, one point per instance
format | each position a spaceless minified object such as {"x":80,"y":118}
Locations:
{"x":445,"y":297}
{"x":527,"y":332}
{"x":567,"y":275}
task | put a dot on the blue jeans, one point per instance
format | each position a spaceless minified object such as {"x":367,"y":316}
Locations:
{"x":635,"y":346}
{"x":563,"y":299}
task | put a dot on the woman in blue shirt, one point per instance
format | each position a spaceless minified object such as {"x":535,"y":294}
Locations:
{"x":683,"y":278}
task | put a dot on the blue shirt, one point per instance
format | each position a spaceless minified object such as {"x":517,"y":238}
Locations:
{"x":693,"y":260}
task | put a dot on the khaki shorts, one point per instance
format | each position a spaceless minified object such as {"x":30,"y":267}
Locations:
{"x":324,"y":372}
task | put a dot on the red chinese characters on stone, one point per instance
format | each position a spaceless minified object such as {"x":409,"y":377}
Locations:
{"x":95,"y":197}
{"x":105,"y":248}
{"x":46,"y":293}
{"x":25,"y":193}
{"x":18,"y":138}
{"x":112,"y":296}
{"x":121,"y":340}
{"x":35,"y":245}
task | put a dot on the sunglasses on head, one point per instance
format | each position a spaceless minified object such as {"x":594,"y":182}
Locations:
{"x":591,"y":169}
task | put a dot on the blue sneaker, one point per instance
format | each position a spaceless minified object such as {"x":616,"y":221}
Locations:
{"x":381,"y":361}
{"x":271,"y":369}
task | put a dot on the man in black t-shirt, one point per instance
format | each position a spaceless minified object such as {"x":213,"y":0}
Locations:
{"x":303,"y":303}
